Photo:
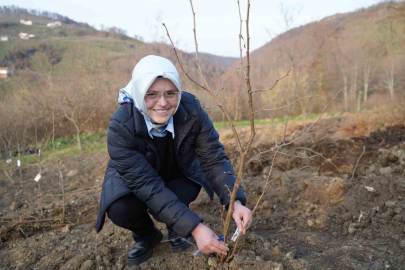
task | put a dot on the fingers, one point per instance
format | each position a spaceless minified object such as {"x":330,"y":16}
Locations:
{"x":238,"y":222}
{"x":219,"y":247}
{"x":214,"y":249}
{"x":246,"y":216}
{"x":215,"y":246}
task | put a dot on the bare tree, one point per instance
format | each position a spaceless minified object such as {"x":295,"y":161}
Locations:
{"x":243,"y":147}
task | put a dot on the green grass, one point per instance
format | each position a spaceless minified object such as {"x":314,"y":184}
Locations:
{"x":63,"y":147}
{"x":242,"y":123}
{"x":97,"y":142}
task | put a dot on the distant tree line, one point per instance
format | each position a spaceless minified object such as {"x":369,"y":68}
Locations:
{"x":45,"y":14}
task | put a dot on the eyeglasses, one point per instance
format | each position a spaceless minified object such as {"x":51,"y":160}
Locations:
{"x":156,"y":96}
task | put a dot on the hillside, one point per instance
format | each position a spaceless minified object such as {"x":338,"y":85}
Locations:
{"x":67,"y":65}
{"x":360,"y":53}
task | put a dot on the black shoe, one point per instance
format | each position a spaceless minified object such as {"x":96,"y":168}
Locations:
{"x":179,"y":245}
{"x":143,"y":250}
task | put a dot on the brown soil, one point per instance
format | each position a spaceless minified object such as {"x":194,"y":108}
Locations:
{"x":316,"y":214}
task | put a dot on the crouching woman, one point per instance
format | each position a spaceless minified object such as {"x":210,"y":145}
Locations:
{"x":163,"y":149}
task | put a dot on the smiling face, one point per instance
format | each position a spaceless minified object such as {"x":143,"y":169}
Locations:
{"x":161,"y":108}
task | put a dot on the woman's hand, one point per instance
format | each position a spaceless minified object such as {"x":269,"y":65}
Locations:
{"x":207,"y":240}
{"x":241,"y":213}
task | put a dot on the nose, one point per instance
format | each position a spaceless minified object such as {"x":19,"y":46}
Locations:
{"x":162,"y":101}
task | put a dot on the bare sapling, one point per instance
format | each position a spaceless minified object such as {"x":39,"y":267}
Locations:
{"x":244,"y":148}
{"x":59,"y":166}
{"x":19,"y":139}
{"x":6,"y":139}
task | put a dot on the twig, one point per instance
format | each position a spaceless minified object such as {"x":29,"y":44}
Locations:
{"x":223,"y":83}
{"x":319,"y":118}
{"x":243,"y":243}
{"x":178,"y":60}
{"x":240,"y":40}
{"x":211,"y":108}
{"x":358,"y":160}
{"x":283,"y":107}
{"x":274,"y":85}
{"x":196,"y":46}
{"x":321,"y":156}
{"x":9,"y":177}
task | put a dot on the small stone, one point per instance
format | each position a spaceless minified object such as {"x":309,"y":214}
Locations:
{"x":72,"y":173}
{"x":105,"y":250}
{"x":66,"y":229}
{"x":334,"y":234}
{"x":266,"y":245}
{"x":61,"y":248}
{"x":212,"y":262}
{"x":275,"y":251}
{"x":392,"y":158}
{"x":351,"y":230}
{"x":87,"y":265}
{"x":310,"y":223}
{"x":266,"y":205}
{"x":377,"y":266}
{"x":371,"y":169}
{"x":74,"y":241}
{"x":386,"y":171}
{"x":98,"y":258}
{"x":390,"y":204}
{"x":106,"y":261}
{"x":347,"y":216}
{"x":258,"y":258}
{"x":291,"y":255}
{"x":277,"y":266}
{"x":402,"y":244}
{"x":15,"y":205}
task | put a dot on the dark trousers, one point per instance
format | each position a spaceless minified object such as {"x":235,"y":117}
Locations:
{"x":131,"y":213}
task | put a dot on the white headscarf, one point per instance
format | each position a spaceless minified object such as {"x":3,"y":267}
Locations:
{"x":145,"y":73}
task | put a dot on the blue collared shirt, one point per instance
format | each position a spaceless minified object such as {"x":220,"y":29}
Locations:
{"x":169,"y":128}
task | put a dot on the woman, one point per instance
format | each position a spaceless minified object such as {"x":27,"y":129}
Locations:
{"x":163,"y":148}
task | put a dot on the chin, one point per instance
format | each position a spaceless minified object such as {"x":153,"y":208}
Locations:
{"x":160,"y":120}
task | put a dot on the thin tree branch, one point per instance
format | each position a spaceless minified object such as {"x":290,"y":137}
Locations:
{"x":223,"y":83}
{"x":274,"y":85}
{"x":358,"y":160}
{"x":319,"y":118}
{"x":196,"y":46}
{"x":283,"y":107}
{"x":178,"y":60}
{"x":240,"y":40}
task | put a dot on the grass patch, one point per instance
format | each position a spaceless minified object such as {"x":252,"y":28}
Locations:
{"x":63,"y":147}
{"x":243,"y":123}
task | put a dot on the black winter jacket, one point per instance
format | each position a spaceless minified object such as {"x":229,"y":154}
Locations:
{"x":134,"y":163}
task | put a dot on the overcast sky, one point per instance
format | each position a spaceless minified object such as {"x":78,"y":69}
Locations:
{"x":217,"y":20}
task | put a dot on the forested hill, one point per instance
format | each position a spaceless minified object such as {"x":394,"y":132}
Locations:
{"x":72,"y":70}
{"x":361,"y":53}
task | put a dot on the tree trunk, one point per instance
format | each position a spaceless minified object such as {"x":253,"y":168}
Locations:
{"x":359,"y":102}
{"x":354,"y":84}
{"x":19,"y":166}
{"x":345,"y":91}
{"x":365,"y":91}
{"x":320,"y":82}
{"x":79,"y":141}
